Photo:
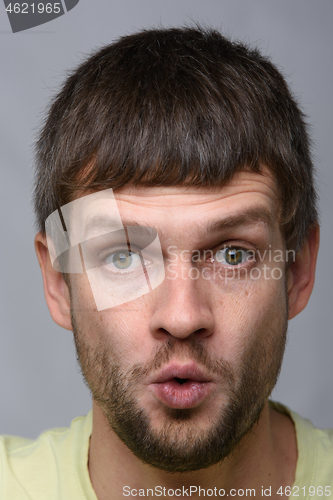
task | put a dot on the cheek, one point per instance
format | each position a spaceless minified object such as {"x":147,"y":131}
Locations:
{"x":82,"y":300}
{"x":246,"y":312}
{"x":117,"y":328}
{"x":120,"y":329}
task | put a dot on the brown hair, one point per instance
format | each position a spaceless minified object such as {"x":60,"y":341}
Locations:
{"x":170,"y":107}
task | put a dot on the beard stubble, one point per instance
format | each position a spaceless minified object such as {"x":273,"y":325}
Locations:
{"x":179,"y":446}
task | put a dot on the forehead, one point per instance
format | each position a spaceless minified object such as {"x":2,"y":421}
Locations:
{"x":172,"y":205}
{"x":180,"y":212}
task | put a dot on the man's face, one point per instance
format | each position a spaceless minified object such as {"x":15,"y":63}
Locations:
{"x":183,"y":372}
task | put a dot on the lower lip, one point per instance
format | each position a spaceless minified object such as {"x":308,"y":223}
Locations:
{"x":181,"y":396}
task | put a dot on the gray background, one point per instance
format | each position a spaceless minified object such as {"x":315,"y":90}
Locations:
{"x":40,"y":385}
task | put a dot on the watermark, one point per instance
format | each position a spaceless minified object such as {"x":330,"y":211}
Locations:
{"x":121,"y":263}
{"x":26,"y":15}
{"x":197,"y":491}
{"x":228,"y":263}
{"x":162,"y":491}
{"x":269,"y":254}
{"x":216,"y":272}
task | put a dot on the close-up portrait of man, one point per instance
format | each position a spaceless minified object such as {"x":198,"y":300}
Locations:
{"x":177,"y":235}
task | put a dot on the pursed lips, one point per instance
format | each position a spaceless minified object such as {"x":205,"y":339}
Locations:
{"x":181,"y":386}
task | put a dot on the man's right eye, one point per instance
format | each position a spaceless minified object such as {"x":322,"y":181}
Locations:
{"x":122,"y":260}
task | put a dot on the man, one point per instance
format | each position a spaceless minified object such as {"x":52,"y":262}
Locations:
{"x":178,"y":234}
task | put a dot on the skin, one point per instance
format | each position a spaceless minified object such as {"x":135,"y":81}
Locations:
{"x":225,"y":316}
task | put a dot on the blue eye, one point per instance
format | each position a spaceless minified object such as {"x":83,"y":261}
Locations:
{"x":123,"y":260}
{"x":232,"y":256}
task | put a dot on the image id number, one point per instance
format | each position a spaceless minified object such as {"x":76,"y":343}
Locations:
{"x":32,"y":8}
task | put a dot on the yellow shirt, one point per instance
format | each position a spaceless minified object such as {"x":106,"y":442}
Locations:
{"x":55,"y":466}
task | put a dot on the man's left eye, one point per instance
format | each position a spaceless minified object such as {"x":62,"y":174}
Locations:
{"x":233,"y":256}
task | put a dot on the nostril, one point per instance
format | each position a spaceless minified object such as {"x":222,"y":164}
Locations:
{"x":180,"y":380}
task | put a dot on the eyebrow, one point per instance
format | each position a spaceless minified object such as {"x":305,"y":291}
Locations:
{"x":112,"y":225}
{"x":245,"y":218}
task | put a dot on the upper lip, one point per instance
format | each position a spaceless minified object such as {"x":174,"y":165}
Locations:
{"x":190,"y":371}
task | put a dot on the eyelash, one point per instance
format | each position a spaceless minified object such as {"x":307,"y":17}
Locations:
{"x":245,"y":254}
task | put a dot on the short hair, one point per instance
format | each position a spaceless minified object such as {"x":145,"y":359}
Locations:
{"x":176,"y":107}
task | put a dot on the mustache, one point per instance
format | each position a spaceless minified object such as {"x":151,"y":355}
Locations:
{"x":191,"y":350}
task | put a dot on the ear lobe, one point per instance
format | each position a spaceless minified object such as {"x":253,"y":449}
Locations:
{"x":301,"y":274}
{"x":55,"y":289}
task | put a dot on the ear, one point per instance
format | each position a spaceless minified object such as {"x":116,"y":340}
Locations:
{"x":55,"y":289}
{"x":301,"y":273}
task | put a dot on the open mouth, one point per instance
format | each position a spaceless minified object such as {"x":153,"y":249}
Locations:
{"x":181,"y":381}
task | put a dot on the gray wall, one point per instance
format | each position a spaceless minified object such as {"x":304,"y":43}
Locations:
{"x":40,"y":386}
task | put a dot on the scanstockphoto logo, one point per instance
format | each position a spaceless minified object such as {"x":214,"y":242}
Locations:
{"x":26,"y":15}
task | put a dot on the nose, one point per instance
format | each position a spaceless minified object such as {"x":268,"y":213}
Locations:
{"x":181,"y":308}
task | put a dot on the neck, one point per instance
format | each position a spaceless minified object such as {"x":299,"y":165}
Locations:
{"x":265,"y":458}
